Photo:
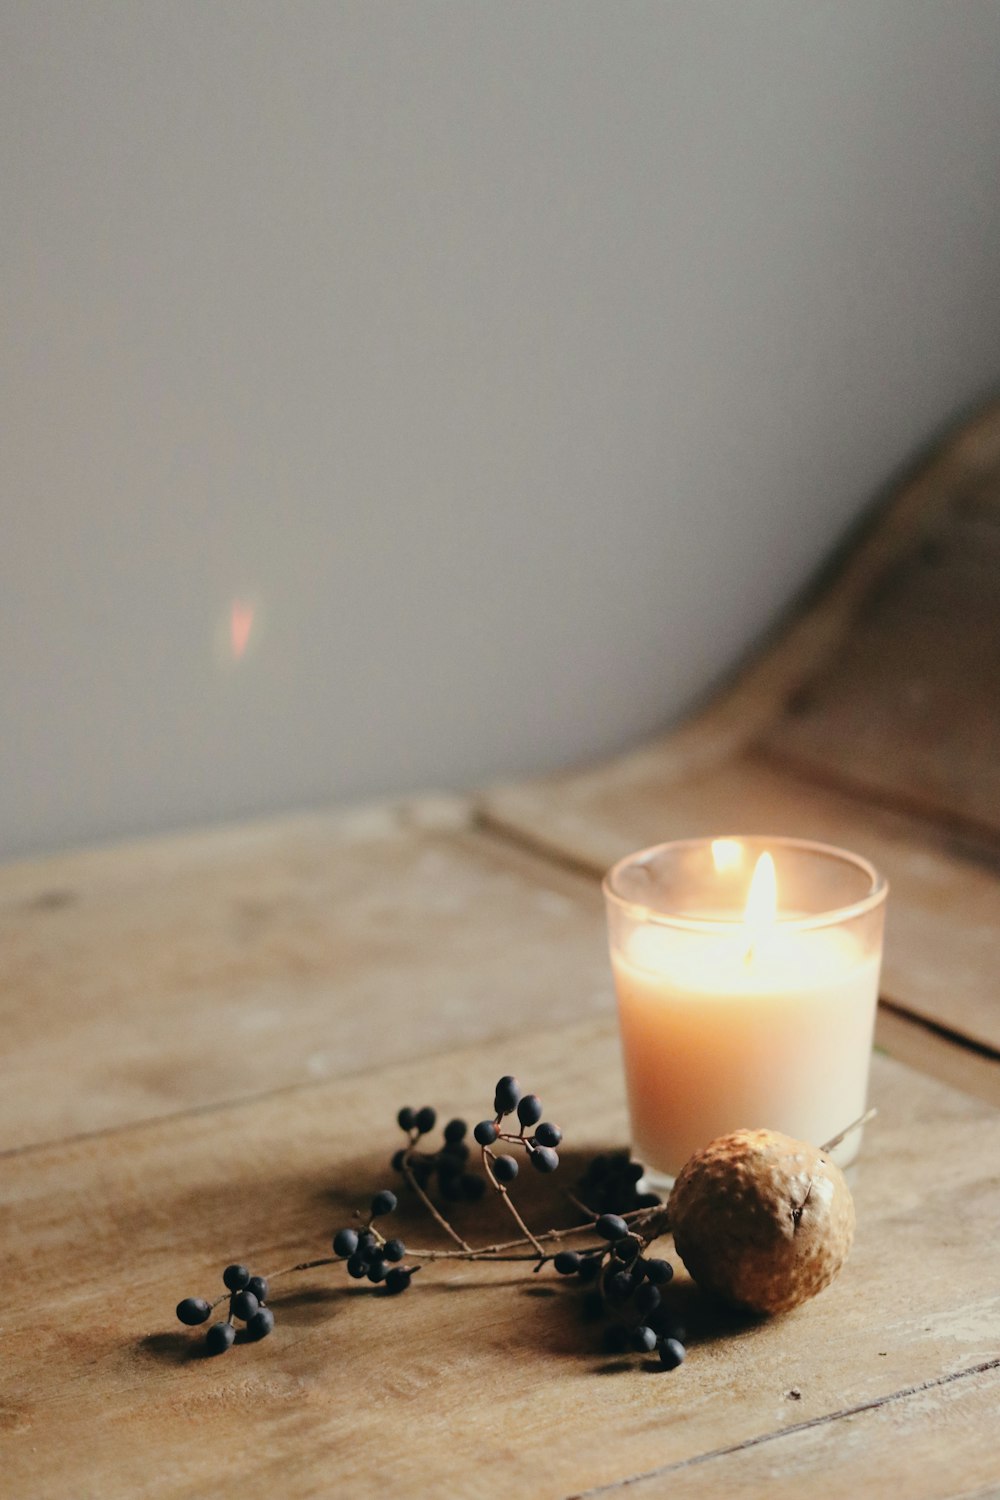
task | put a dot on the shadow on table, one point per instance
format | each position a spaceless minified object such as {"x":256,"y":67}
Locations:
{"x":551,"y":1313}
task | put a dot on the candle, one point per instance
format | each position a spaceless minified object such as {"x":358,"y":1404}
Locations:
{"x":747,"y":973}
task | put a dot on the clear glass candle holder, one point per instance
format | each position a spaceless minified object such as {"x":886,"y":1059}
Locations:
{"x":746,"y":971}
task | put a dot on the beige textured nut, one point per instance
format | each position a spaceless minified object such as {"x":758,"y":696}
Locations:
{"x":761,"y":1219}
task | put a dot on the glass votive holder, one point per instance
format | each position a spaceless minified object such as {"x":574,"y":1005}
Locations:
{"x":746,"y":972}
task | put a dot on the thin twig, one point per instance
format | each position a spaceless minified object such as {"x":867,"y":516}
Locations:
{"x":495,"y":1252}
{"x":306,"y":1265}
{"x":439,"y":1218}
{"x":869,"y":1114}
{"x":488,"y":1168}
{"x":578,"y":1203}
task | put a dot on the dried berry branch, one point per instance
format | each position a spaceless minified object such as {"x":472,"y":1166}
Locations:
{"x":612,"y":1268}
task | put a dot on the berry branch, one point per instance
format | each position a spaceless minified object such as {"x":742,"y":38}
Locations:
{"x":620,"y":1279}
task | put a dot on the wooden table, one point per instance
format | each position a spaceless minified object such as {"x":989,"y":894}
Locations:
{"x":207,"y":1037}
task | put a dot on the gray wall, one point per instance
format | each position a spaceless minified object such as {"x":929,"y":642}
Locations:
{"x":515,"y":363}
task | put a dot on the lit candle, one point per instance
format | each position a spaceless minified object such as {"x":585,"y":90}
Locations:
{"x":747,"y":977}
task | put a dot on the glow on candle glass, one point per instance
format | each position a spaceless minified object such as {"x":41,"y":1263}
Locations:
{"x":750,"y":1020}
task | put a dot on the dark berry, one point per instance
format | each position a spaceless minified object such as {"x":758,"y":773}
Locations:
{"x":544,"y":1159}
{"x":567,"y":1263}
{"x":508,"y":1092}
{"x":672,"y":1353}
{"x":619,"y":1286}
{"x":407,"y":1118}
{"x":455,"y":1153}
{"x":626,"y":1249}
{"x":451,"y":1186}
{"x":548,"y":1134}
{"x":615,"y":1338}
{"x":486,"y":1132}
{"x":659,"y":1272}
{"x":661,"y":1322}
{"x":376,"y":1268}
{"x":193,"y":1310}
{"x":235,"y":1278}
{"x":397,"y":1280}
{"x":455,"y":1131}
{"x":219,"y":1338}
{"x":647,"y":1298}
{"x":258,"y":1285}
{"x":426,"y":1119}
{"x":592,"y":1305}
{"x":245,"y":1304}
{"x":473,"y":1188}
{"x":643,"y":1339}
{"x":529,"y":1110}
{"x":611,"y":1227}
{"x":345,"y":1242}
{"x":505,"y":1169}
{"x":367,"y":1243}
{"x":648,"y":1200}
{"x":383,"y":1203}
{"x":590,"y":1267}
{"x":393,"y":1250}
{"x":399,"y":1159}
{"x":261,"y":1324}
{"x":357,"y":1267}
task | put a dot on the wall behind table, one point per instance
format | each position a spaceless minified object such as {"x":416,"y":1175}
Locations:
{"x":405,"y":393}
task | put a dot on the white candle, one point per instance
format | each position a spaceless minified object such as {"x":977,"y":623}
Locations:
{"x":752,"y":1021}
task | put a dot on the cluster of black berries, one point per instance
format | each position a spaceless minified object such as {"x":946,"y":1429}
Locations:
{"x":610,"y":1185}
{"x":369,"y":1255}
{"x":540,"y":1146}
{"x":247,"y":1299}
{"x":624,"y":1283}
{"x":447,"y":1164}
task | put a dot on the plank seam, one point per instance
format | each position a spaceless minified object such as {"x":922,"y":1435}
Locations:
{"x":938,"y":1029}
{"x":961,"y":836}
{"x":488,"y":822}
{"x":245,"y":1101}
{"x":796,"y":1427}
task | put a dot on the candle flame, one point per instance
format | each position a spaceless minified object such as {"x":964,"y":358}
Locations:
{"x":762,"y":903}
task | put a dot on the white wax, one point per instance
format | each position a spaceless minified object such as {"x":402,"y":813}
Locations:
{"x":715,"y":1039}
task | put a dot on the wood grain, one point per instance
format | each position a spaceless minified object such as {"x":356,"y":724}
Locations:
{"x":944,"y":906}
{"x":457,"y":1383}
{"x":944,"y":1427}
{"x":206,"y":1039}
{"x":187,"y":971}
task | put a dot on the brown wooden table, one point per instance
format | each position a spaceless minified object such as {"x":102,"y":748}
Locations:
{"x":206,"y":1039}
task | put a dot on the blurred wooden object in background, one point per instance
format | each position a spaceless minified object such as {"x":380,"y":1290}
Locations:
{"x":873,"y":721}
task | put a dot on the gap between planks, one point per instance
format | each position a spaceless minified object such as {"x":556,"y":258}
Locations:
{"x":963,"y":837}
{"x":824,"y":1420}
{"x":929,"y":1049}
{"x":927,"y":1046}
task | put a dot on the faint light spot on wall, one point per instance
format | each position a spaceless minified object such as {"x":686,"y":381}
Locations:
{"x":239,"y":630}
{"x":240,"y":626}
